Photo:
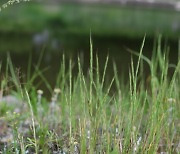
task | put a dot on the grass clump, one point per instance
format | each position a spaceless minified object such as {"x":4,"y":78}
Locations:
{"x":91,"y":114}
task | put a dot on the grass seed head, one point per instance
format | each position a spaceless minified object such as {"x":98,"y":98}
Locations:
{"x":40,"y":92}
{"x":171,"y":100}
{"x":57,"y":90}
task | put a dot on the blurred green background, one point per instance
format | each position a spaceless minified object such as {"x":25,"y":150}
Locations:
{"x":64,"y":27}
{"x":68,"y":24}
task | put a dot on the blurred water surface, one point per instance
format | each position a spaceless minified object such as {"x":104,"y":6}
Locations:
{"x":30,"y":28}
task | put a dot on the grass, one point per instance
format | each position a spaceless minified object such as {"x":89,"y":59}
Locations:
{"x":91,"y":113}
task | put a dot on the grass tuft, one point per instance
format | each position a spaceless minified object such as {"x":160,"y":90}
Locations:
{"x":91,"y":113}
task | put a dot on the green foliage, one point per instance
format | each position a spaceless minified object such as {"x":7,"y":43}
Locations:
{"x":103,"y":20}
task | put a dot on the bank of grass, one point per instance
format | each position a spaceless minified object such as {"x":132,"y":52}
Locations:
{"x":85,"y":116}
{"x":103,"y":20}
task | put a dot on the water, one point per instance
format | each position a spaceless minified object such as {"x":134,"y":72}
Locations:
{"x":115,"y":48}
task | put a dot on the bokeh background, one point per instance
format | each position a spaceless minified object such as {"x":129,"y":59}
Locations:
{"x":58,"y":27}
